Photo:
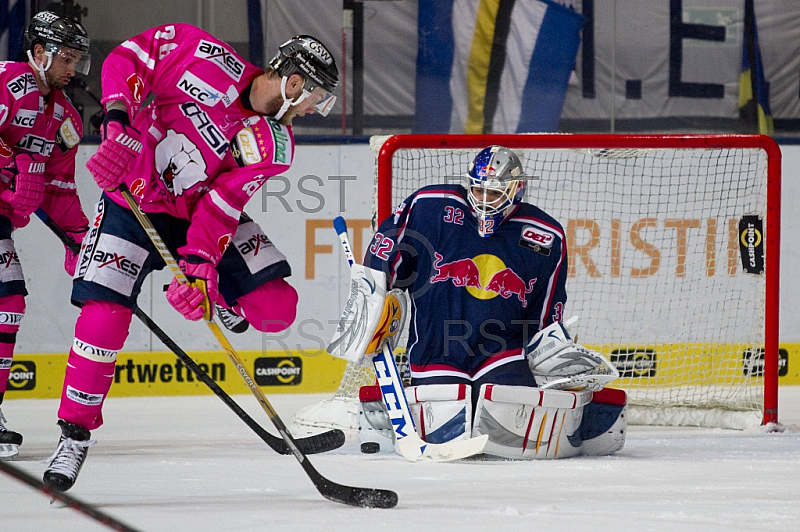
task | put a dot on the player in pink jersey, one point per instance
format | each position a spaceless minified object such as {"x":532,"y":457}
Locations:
{"x":39,"y":134}
{"x":193,"y":131}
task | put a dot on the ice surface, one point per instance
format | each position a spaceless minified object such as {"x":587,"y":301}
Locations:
{"x":189,"y":464}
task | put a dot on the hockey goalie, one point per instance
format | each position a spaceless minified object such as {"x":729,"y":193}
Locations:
{"x":488,"y":351}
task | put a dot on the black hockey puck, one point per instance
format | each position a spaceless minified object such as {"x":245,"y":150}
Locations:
{"x":370,"y":447}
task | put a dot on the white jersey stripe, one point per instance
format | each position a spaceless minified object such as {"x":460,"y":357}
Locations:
{"x":224,"y":206}
{"x":62,"y":184}
{"x":148,"y":61}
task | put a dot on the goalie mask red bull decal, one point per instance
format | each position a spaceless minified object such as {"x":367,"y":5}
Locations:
{"x":484,"y":276}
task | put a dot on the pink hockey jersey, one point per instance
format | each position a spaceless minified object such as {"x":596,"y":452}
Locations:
{"x":205,"y":154}
{"x":49,"y":129}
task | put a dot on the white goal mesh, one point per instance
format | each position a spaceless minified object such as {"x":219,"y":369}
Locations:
{"x":659,"y":232}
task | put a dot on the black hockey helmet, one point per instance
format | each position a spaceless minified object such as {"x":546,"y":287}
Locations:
{"x":310,"y":58}
{"x":53,"y":31}
{"x":47,"y":27}
{"x":307,"y":56}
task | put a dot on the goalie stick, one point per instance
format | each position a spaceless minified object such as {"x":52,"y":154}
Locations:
{"x":354,"y":496}
{"x":76,"y":504}
{"x":407,"y":441}
{"x":317,"y":443}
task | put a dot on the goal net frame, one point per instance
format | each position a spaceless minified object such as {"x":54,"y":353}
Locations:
{"x":340,"y":411}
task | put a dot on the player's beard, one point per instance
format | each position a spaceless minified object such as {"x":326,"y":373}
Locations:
{"x":54,"y":82}
{"x":274,"y":105}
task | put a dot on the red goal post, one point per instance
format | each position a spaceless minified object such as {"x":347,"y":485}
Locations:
{"x":660,"y":230}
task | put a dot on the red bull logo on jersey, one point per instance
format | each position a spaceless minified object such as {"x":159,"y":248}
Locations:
{"x":484,"y":276}
{"x":507,"y":283}
{"x":463,"y":272}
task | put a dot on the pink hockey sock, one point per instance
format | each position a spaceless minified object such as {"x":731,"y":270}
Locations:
{"x":100,"y":332}
{"x":272,"y":307}
{"x":12,"y":309}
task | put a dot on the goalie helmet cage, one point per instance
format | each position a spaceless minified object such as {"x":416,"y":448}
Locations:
{"x":660,"y":232}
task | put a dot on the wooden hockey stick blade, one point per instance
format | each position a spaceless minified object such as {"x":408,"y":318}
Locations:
{"x":76,"y":504}
{"x":352,"y":496}
{"x":414,"y":449}
{"x":363,"y":497}
{"x":317,"y":443}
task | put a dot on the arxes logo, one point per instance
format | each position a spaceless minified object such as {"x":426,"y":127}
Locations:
{"x":116,"y":261}
{"x":222,"y":57}
{"x":22,"y":85}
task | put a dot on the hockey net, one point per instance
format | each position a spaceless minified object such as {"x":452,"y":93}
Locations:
{"x":673,"y":261}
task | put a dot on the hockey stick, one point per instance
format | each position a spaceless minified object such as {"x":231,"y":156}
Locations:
{"x":407,"y":442}
{"x":354,"y":496}
{"x":72,"y":502}
{"x":318,"y":443}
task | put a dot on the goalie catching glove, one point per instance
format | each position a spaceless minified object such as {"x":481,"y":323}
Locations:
{"x":371,"y":317}
{"x":559,"y":363}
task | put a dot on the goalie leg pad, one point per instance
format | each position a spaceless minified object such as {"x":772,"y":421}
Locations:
{"x":527,"y":423}
{"x":441,"y":412}
{"x":374,"y":425}
{"x":605,"y":422}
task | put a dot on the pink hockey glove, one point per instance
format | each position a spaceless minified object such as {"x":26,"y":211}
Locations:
{"x":26,"y":190}
{"x":117,"y":152}
{"x":188,"y":298}
{"x":70,"y":257}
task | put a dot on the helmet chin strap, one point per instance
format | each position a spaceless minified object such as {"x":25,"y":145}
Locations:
{"x":41,"y":69}
{"x":286,"y":102}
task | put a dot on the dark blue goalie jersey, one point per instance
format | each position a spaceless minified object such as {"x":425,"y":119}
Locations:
{"x":475,"y":302}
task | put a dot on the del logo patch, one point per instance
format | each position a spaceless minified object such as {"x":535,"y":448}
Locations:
{"x":536,"y":239}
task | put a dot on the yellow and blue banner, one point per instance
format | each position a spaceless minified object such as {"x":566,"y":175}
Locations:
{"x":754,"y":107}
{"x":493,"y":66}
{"x":14,"y":17}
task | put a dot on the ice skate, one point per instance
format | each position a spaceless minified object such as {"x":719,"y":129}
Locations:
{"x":66,"y":462}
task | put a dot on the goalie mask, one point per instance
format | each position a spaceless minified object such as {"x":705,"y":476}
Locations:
{"x":60,"y":36}
{"x":308,"y":57}
{"x":496,"y":186}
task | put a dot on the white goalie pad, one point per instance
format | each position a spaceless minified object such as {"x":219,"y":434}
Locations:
{"x":441,"y":412}
{"x":375,"y":432}
{"x":559,"y":363}
{"x":526,"y":423}
{"x":370,"y":317}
